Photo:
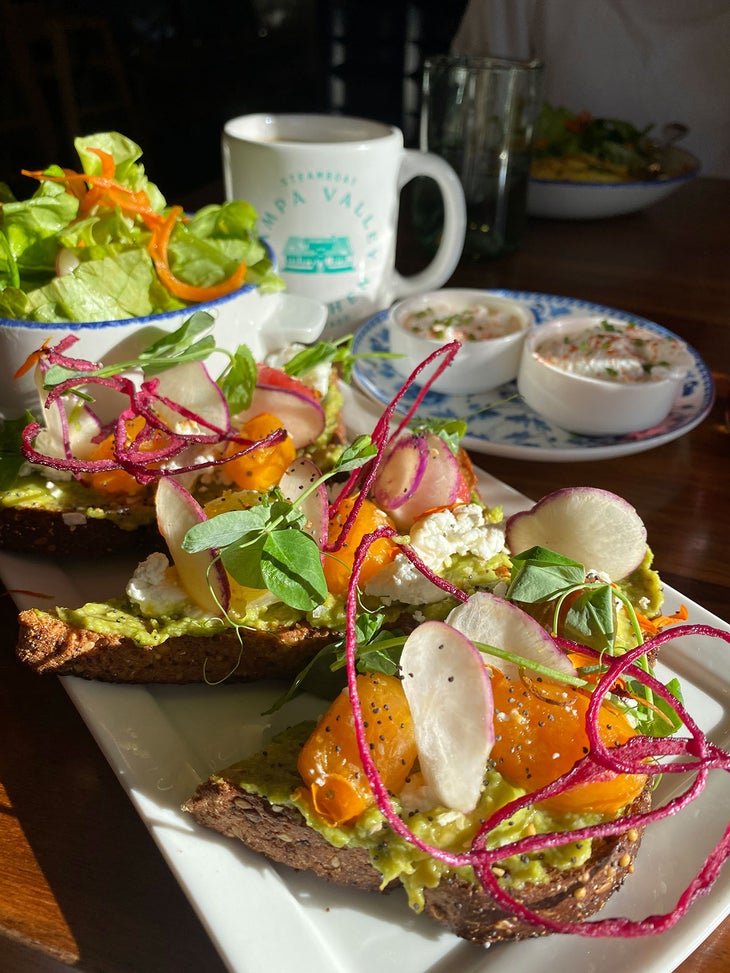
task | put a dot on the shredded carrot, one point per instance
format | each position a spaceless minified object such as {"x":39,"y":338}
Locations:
{"x":652,"y":626}
{"x":73,"y":186}
{"x":94,"y":191}
{"x":32,"y":360}
{"x":188,"y":292}
{"x":94,"y":195}
{"x":108,"y":166}
{"x":581,"y":660}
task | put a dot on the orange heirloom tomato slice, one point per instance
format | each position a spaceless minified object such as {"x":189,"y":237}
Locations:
{"x":261,"y":468}
{"x":329,"y":763}
{"x":338,"y":564}
{"x":119,"y":481}
{"x":541,"y":734}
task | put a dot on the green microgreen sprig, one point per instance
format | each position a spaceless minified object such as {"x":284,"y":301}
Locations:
{"x":188,"y":343}
{"x":451,"y":431}
{"x":542,"y":577}
{"x":267,"y":546}
{"x":337,"y":352}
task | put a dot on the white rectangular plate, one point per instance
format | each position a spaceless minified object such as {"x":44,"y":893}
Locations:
{"x":162,"y":741}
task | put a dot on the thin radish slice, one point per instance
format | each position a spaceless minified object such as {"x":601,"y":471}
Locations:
{"x":449,"y":693}
{"x":300,"y":414}
{"x":599,"y":529}
{"x":66,"y":262}
{"x":441,"y":484}
{"x":71,"y":428}
{"x":71,"y":424}
{"x":491,"y":620}
{"x":201,"y":575}
{"x":401,"y":472}
{"x":299,"y":477}
{"x":198,"y":395}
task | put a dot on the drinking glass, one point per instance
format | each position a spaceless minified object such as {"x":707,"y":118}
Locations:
{"x":478,"y":113}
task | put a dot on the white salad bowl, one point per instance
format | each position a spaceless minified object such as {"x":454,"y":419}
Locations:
{"x":566,"y":380}
{"x":491,"y":328}
{"x":565,"y":199}
{"x":264,"y":322}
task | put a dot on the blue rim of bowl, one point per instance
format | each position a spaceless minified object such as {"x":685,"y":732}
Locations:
{"x":118,"y":322}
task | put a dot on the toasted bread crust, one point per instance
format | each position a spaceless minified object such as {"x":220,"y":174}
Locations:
{"x":48,"y":645}
{"x":282,"y":835}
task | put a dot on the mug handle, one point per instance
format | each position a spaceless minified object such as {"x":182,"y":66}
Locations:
{"x":417,"y":163}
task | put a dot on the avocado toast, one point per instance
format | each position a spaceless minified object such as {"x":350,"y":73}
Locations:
{"x":76,"y":479}
{"x":498,"y":775}
{"x":255,"y":581}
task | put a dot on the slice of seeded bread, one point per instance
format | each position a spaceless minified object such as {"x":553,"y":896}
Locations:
{"x":282,"y":835}
{"x":49,"y":645}
{"x":70,"y":533}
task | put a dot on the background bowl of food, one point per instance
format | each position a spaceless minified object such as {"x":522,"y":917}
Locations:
{"x":589,"y":168}
{"x":598,"y":376}
{"x":100,"y":255}
{"x":491,"y":330}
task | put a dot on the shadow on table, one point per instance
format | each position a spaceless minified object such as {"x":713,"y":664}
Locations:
{"x":121,"y":904}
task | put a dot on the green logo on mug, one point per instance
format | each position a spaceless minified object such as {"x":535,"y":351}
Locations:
{"x":318,"y":255}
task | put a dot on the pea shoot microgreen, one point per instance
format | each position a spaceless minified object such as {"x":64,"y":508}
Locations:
{"x":451,"y":431}
{"x":337,"y":352}
{"x":542,"y":577}
{"x":324,"y":675}
{"x":586,"y":611}
{"x":268,"y":546}
{"x":238,"y":381}
{"x":188,"y":343}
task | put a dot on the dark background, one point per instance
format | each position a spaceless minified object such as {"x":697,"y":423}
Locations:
{"x":168,"y":74}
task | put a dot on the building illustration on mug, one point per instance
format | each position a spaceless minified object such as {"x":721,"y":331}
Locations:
{"x":318,"y":255}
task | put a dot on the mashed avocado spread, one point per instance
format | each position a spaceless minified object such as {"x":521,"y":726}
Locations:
{"x":36,"y":492}
{"x":121,"y":617}
{"x":272,"y":774}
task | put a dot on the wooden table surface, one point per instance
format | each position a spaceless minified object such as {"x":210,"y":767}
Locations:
{"x":82,"y":884}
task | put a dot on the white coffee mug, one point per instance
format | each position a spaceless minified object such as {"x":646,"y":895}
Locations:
{"x":326,"y":189}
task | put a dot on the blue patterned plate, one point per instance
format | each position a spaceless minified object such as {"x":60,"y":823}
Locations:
{"x":500,"y":423}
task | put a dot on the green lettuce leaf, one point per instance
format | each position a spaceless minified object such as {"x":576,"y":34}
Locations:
{"x":115,"y":277}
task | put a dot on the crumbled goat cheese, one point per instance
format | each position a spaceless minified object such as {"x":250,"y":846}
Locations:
{"x":462,"y":530}
{"x":401,"y":581}
{"x":436,"y":538}
{"x":154,"y":587}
